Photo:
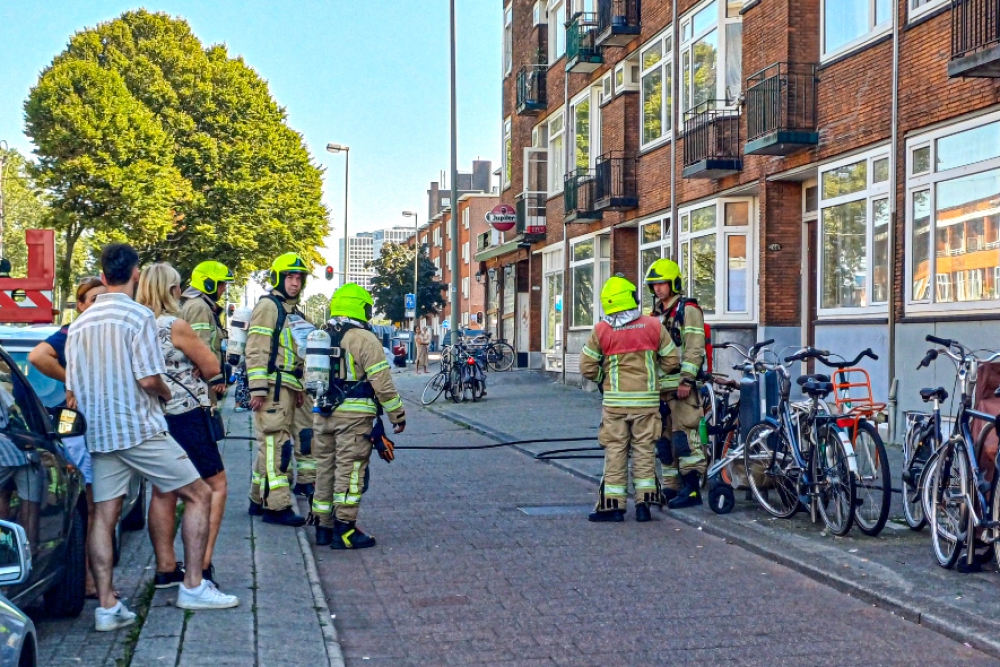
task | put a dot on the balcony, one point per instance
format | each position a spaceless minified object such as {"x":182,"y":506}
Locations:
{"x":617,"y":22}
{"x":975,"y":38}
{"x":582,"y":52}
{"x":579,"y":189}
{"x":781,"y":110}
{"x":531,"y":97}
{"x":530,"y":207}
{"x":616,"y":187}
{"x":711,"y":141}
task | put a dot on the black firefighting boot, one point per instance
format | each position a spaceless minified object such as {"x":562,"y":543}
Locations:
{"x":324,"y":536}
{"x":285,"y":517}
{"x":349,"y":537}
{"x":255,"y":509}
{"x":607,"y":509}
{"x":642,"y":513}
{"x":690,"y":493}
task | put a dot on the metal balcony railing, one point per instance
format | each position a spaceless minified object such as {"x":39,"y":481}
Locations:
{"x":531,"y":95}
{"x":975,"y":38}
{"x":579,"y":189}
{"x":711,"y":141}
{"x":582,"y":52}
{"x":616,"y":186}
{"x":531,"y":213}
{"x":781,"y":109}
{"x":617,"y":21}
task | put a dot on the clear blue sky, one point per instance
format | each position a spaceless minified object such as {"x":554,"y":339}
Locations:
{"x":372,"y":74}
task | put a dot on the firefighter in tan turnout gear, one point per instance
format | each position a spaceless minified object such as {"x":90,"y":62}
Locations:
{"x":274,"y":372}
{"x":200,"y":308}
{"x":627,"y":355}
{"x":347,"y":419}
{"x":679,"y":447}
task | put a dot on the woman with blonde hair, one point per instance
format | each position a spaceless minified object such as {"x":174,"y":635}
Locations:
{"x":189,"y":363}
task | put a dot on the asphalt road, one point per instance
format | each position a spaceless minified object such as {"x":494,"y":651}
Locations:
{"x":463,"y":576}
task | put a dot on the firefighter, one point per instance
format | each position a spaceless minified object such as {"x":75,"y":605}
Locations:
{"x":679,"y":447}
{"x":360,"y":390}
{"x":201,"y":309}
{"x":274,"y":372}
{"x":626,"y":355}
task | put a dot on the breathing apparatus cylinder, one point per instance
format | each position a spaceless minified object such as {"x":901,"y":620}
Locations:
{"x":317,"y":366}
{"x":239,"y":326}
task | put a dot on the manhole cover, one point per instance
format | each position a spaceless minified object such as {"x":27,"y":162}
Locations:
{"x":556,"y":510}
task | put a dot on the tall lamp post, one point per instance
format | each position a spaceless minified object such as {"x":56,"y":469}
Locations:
{"x":416,"y":260}
{"x":4,"y":262}
{"x":455,"y":317}
{"x":346,"y":150}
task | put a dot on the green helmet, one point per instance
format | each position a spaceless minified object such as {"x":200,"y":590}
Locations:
{"x":283,"y":265}
{"x":665,"y":271}
{"x":352,"y":300}
{"x":617,"y":295}
{"x":207,"y":277}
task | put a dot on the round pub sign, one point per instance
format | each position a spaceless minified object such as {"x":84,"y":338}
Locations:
{"x":502,"y":217}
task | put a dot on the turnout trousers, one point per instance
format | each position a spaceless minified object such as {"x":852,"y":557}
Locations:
{"x":305,"y":460}
{"x":342,"y":446}
{"x":679,"y":448}
{"x":273,"y":424}
{"x":621,"y":435}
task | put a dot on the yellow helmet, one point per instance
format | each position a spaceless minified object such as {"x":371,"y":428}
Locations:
{"x":285,"y":264}
{"x":665,"y":271}
{"x":207,"y":277}
{"x":617,"y":295}
{"x":352,"y":300}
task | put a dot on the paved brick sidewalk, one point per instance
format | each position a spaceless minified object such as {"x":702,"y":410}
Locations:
{"x":486,"y":558}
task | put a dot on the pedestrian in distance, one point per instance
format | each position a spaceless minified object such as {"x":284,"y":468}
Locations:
{"x":113,"y":375}
{"x":422,"y":339}
{"x":49,"y":357}
{"x":188,"y":361}
{"x":626,"y":355}
{"x":679,"y":447}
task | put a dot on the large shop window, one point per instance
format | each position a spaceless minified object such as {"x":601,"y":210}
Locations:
{"x":556,"y":131}
{"x":552,"y":300}
{"x":851,"y":23}
{"x":715,"y":257}
{"x":953,"y":217}
{"x":654,"y":243}
{"x":589,"y":269}
{"x":656,"y":60}
{"x":854,"y":235}
{"x":711,"y":32}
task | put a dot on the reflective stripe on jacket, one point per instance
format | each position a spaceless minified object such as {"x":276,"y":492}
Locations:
{"x":259,"y":338}
{"x":198,"y":310}
{"x":692,"y":351}
{"x":364,"y":359}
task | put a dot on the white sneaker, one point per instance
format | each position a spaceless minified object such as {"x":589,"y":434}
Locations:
{"x":111,"y":619}
{"x":205,"y":596}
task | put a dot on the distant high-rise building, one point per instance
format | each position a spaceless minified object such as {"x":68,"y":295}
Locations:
{"x":397,"y":235}
{"x":360,"y":251}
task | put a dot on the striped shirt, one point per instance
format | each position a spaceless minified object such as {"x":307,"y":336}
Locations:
{"x":110,"y":348}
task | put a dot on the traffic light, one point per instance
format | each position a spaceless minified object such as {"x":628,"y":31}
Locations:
{"x":329,"y":273}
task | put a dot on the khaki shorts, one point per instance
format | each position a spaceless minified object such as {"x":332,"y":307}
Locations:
{"x":160,"y":459}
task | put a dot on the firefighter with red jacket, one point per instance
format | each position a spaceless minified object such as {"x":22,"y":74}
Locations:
{"x":627,"y":354}
{"x":679,"y":447}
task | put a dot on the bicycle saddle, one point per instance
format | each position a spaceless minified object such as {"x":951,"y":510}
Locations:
{"x":817,"y":389}
{"x":815,"y":377}
{"x":930,"y":394}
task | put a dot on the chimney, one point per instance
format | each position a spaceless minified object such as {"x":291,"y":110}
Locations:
{"x":481,"y":175}
{"x":433,"y":200}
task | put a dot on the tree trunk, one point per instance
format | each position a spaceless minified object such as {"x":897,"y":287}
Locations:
{"x":65,"y":271}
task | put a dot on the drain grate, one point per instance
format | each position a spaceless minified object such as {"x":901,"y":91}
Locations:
{"x":556,"y":510}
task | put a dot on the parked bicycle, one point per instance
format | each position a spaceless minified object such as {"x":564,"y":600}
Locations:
{"x":498,"y":355}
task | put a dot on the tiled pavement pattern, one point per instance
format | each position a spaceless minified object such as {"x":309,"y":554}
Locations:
{"x":463,"y":577}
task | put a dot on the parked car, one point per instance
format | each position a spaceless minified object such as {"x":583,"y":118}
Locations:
{"x":18,"y":342}
{"x":18,"y":640}
{"x":43,"y":493}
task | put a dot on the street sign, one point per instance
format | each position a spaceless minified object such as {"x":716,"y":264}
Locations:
{"x":410,"y":314}
{"x":410,"y":302}
{"x":446,"y":324}
{"x":503,"y":217}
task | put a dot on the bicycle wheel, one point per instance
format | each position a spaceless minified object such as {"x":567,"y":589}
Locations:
{"x":477,"y":389}
{"x":456,"y":384}
{"x":945,"y":504}
{"x":434,"y":388}
{"x":768,"y":458}
{"x":836,"y":490}
{"x":874,"y":481}
{"x":913,"y":504}
{"x":500,"y":357}
{"x":445,"y":360}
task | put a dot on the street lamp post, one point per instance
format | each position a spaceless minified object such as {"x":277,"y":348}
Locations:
{"x":346,"y":150}
{"x":4,"y":264}
{"x":455,"y":316}
{"x":416,"y":260}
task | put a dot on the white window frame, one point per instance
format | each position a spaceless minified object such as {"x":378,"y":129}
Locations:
{"x":507,"y":156}
{"x":552,"y":264}
{"x":447,"y":260}
{"x":555,"y":156}
{"x":591,"y":95}
{"x":874,"y":31}
{"x":601,"y":272}
{"x":665,"y":246}
{"x":556,"y":19}
{"x":465,"y":217}
{"x":465,"y":287}
{"x":664,"y":43}
{"x":687,"y":42}
{"x":437,"y":236}
{"x":913,"y":12}
{"x":928,"y":181}
{"x":722,"y":234}
{"x":872,"y":192}
{"x":465,"y":252}
{"x":508,"y":39}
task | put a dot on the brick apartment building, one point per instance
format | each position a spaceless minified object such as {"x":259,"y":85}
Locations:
{"x":793,"y":156}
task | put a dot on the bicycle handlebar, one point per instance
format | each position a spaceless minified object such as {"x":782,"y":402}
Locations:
{"x":946,"y":342}
{"x":823,"y":357}
{"x":928,"y":358}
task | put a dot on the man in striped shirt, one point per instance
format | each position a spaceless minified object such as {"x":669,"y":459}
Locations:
{"x":113,"y":372}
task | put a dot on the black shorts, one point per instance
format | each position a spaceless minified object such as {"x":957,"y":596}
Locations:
{"x":191,"y":431}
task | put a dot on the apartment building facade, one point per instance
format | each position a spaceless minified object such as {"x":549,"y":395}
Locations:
{"x":826,"y":172}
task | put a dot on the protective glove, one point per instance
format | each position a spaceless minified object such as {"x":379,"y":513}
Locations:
{"x":286,"y":455}
{"x":381,"y":442}
{"x":306,"y":441}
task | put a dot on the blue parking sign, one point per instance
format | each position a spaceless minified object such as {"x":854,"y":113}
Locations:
{"x":410,"y":302}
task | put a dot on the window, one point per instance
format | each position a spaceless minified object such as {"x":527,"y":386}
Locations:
{"x":557,"y":152}
{"x":18,"y":412}
{"x":953,"y":217}
{"x":465,"y":288}
{"x":590,"y":267}
{"x":437,"y":236}
{"x":552,"y":300}
{"x":654,"y":244}
{"x":921,"y":7}
{"x":557,"y":30}
{"x":712,"y":31}
{"x":850,"y":23}
{"x":423,"y":241}
{"x":465,"y":218}
{"x":715,"y":257}
{"x":656,"y":105}
{"x":585,"y":116}
{"x":447,"y":261}
{"x":507,"y":153}
{"x":854,"y":234}
{"x":508,"y":39}
{"x":465,"y":252}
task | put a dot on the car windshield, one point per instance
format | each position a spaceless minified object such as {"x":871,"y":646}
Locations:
{"x":51,"y":392}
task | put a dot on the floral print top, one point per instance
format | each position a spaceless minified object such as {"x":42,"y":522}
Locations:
{"x":180,"y":371}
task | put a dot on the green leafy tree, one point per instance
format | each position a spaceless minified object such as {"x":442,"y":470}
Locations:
{"x":394,"y":279}
{"x":315,"y":309}
{"x":145,"y":135}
